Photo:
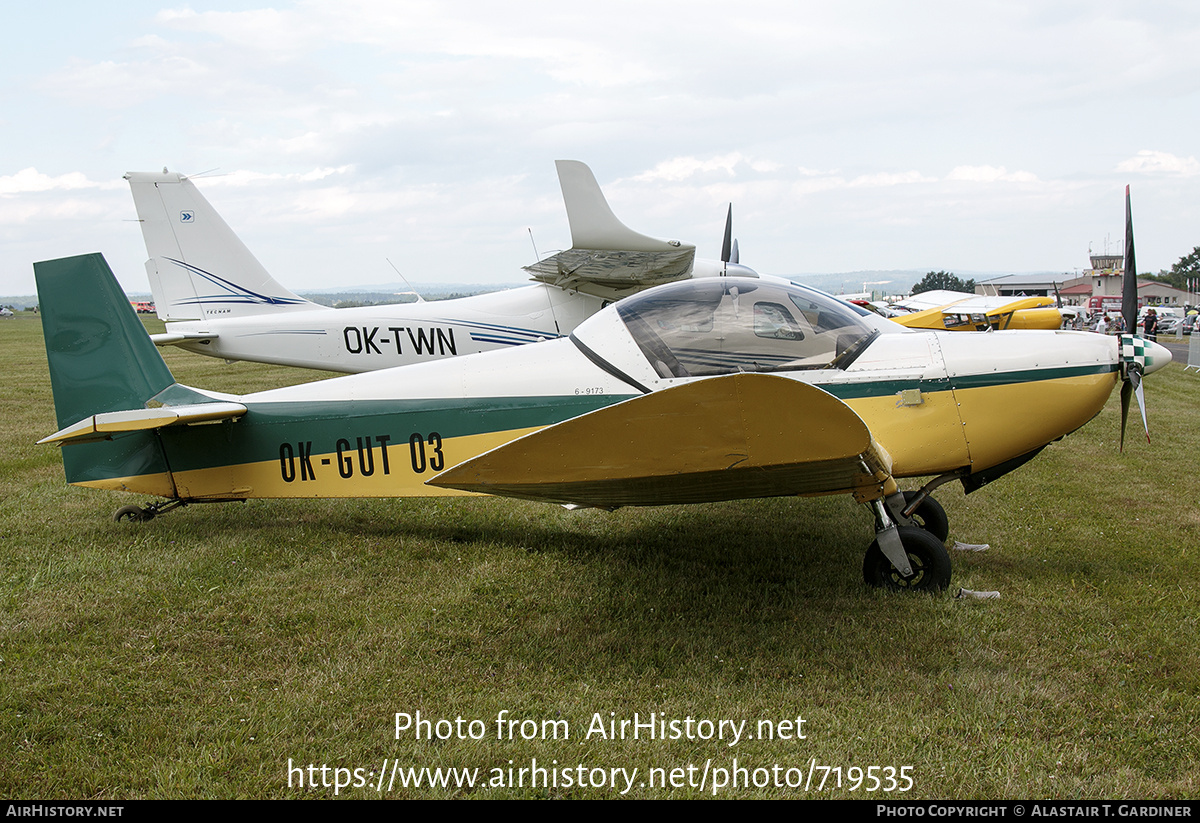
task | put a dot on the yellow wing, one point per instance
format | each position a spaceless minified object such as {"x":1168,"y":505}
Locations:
{"x":725,"y":438}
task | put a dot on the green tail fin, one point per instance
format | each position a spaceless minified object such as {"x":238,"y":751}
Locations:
{"x":101,"y":358}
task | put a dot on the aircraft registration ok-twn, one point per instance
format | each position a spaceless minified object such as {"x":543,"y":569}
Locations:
{"x":217,"y":299}
{"x":700,"y":390}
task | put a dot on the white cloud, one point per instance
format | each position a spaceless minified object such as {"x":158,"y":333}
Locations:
{"x":682,"y":168}
{"x":1159,"y":162}
{"x":130,"y":83}
{"x":879,"y":179}
{"x":990,"y":174}
{"x":566,"y":50}
{"x":264,"y":30}
{"x":31,"y":180}
{"x":245,"y":177}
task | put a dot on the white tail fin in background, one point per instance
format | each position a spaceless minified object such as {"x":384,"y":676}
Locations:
{"x":198,"y":268}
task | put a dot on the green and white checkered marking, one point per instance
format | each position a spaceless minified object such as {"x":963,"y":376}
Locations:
{"x":1133,"y":352}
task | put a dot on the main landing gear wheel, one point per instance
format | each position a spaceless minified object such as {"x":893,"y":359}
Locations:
{"x":929,"y":516}
{"x":928,"y":556}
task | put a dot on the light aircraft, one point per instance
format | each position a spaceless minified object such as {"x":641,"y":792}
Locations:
{"x":958,"y":311}
{"x":695,"y":391}
{"x":217,"y":299}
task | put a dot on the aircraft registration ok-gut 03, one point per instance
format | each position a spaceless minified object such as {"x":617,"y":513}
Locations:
{"x":695,"y":391}
{"x":217,"y":299}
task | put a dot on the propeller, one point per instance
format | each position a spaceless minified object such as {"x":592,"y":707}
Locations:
{"x":729,"y":249}
{"x":1132,"y":349}
{"x":730,"y":257}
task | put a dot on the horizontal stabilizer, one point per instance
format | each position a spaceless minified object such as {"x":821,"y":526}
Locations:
{"x":175,"y":338}
{"x":106,"y":424}
{"x":726,"y":438}
{"x":614,"y":268}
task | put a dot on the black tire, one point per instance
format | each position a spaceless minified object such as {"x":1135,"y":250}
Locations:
{"x":929,"y":516}
{"x":927,"y":555}
{"x":133,"y":514}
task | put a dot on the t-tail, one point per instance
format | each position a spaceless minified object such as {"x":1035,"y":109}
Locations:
{"x":198,"y":268}
{"x":112,"y":390}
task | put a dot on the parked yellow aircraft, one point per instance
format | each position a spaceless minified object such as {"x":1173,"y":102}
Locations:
{"x":700,"y":390}
{"x":956,"y":311}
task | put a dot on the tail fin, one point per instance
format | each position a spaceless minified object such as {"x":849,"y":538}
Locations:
{"x":593,"y":224}
{"x":606,"y":257}
{"x":101,"y":360}
{"x":197,"y":265}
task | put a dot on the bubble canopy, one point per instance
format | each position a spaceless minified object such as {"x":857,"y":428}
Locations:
{"x":711,"y":326}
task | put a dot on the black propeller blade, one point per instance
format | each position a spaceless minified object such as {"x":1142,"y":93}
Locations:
{"x":727,"y":245}
{"x":1129,"y":306}
{"x":1132,"y":385}
{"x":1131,"y":347}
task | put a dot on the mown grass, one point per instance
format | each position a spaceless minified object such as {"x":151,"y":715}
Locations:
{"x":194,"y":655}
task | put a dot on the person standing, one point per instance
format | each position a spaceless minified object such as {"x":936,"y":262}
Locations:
{"x":1150,"y":326}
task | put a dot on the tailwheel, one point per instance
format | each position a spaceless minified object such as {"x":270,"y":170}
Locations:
{"x":140,"y":514}
{"x":928,"y":556}
{"x":133,"y":514}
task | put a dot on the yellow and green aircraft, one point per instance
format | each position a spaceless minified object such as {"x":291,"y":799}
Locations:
{"x":700,"y":390}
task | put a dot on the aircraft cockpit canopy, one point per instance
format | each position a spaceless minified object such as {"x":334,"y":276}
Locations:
{"x":724,"y":325}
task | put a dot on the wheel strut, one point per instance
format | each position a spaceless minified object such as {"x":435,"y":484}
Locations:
{"x":887,"y":537}
{"x":905,"y":558}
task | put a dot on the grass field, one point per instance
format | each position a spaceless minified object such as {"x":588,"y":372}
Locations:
{"x":198,"y":654}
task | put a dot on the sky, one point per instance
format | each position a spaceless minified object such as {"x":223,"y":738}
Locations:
{"x":991,"y":137}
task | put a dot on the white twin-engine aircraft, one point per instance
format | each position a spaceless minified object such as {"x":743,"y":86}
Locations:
{"x":217,"y":299}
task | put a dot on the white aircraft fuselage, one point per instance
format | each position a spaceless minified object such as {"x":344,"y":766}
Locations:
{"x":218,"y":300}
{"x":367,"y":338}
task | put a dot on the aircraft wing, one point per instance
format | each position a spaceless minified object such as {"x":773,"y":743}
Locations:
{"x":724,"y":438}
{"x":933,"y":310}
{"x":605,"y":252}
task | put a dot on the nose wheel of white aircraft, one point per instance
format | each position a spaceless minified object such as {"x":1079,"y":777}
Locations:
{"x":927,"y":556}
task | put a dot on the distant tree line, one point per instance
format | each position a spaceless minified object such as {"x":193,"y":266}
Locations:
{"x":1188,"y":268}
{"x":936,"y":280}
